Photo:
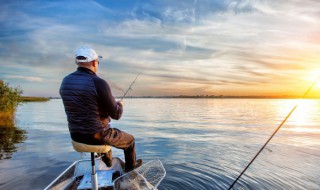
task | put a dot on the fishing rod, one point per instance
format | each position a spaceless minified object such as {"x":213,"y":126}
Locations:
{"x":130,"y":86}
{"x":265,"y":144}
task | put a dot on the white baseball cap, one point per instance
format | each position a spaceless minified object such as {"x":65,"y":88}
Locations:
{"x":88,"y":53}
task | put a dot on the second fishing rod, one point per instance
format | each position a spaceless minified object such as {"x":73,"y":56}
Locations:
{"x":273,"y":134}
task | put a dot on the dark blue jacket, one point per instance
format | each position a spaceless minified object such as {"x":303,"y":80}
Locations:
{"x":88,"y":101}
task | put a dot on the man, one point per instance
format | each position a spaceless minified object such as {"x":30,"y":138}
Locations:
{"x":89,"y":105}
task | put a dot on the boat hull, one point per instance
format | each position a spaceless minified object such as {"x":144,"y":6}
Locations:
{"x":71,"y":178}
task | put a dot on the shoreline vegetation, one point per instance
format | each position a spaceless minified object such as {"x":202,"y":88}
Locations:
{"x":33,"y":99}
{"x":9,"y":100}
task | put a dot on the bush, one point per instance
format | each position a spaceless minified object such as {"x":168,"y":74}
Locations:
{"x":9,"y":100}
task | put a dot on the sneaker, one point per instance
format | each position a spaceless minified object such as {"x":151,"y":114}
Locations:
{"x":138,"y":164}
{"x":107,"y":158}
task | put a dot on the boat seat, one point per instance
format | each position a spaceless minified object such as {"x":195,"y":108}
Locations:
{"x":81,"y":147}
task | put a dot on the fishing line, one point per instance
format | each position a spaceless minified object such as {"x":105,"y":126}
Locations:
{"x":130,"y":87}
{"x":285,"y":119}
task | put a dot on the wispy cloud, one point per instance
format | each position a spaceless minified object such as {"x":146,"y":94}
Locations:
{"x":30,"y":79}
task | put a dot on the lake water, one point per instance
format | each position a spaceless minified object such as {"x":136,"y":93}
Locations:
{"x":203,"y":143}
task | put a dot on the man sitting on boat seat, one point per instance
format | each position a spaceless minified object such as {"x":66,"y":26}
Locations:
{"x":90,"y":105}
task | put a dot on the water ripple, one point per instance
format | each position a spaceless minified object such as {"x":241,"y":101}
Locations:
{"x":203,"y":143}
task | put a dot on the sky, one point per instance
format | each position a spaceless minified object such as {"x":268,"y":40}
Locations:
{"x":204,"y":47}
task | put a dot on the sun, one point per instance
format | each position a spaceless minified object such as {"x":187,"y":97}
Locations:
{"x":313,"y":77}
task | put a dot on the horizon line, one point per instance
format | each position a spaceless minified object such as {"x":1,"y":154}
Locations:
{"x":208,"y":96}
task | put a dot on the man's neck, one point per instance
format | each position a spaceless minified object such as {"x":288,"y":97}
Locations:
{"x":86,"y":69}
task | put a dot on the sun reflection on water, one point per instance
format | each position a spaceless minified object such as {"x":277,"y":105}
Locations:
{"x":302,"y":128}
{"x":303,"y":114}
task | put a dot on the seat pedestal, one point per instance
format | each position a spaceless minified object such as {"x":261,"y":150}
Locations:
{"x":81,"y":147}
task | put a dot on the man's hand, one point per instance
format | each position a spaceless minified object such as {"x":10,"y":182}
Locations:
{"x":120,"y":102}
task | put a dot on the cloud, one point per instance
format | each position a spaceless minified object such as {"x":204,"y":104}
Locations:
{"x":30,"y":79}
{"x":191,"y":43}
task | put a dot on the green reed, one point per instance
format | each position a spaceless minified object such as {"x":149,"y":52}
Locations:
{"x":9,"y":100}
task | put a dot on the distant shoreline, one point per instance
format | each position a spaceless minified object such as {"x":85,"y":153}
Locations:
{"x":212,"y":97}
{"x":33,"y":99}
{"x":224,"y":97}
